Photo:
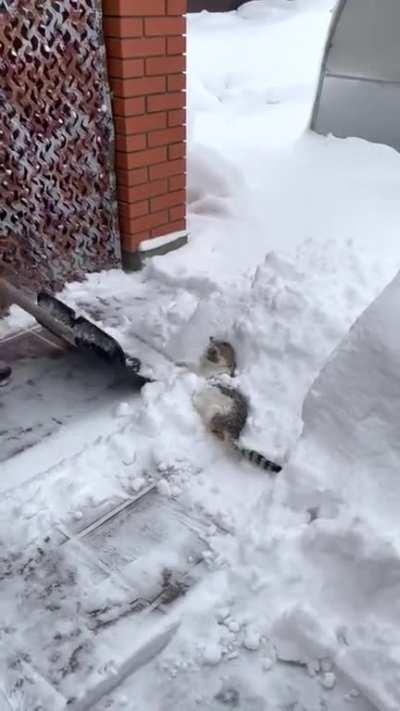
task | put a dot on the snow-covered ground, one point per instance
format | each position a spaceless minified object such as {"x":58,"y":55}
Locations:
{"x":293,"y":235}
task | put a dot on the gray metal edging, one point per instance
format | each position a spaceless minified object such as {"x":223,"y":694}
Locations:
{"x":332,"y":29}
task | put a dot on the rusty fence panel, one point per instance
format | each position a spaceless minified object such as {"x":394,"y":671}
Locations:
{"x":58,"y":215}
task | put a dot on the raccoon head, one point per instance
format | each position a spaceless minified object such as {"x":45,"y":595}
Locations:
{"x":220,"y":357}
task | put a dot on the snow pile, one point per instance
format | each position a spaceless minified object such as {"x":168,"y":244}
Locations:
{"x":213,"y":183}
{"x":351,"y":415}
{"x":249,"y":72}
{"x":345,"y":564}
{"x":307,"y":581}
{"x":284,"y":319}
{"x":256,"y":181}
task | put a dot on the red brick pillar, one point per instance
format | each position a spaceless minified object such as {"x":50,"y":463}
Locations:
{"x":146,"y":45}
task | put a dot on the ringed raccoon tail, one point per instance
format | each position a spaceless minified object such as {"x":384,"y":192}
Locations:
{"x":258,"y":459}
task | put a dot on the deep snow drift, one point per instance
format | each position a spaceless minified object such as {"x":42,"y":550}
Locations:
{"x":345,"y":469}
{"x":292,"y":237}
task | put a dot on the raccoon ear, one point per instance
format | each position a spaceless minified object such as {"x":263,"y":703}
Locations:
{"x":212,"y":339}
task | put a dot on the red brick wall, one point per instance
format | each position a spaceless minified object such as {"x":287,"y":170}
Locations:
{"x":146,"y":45}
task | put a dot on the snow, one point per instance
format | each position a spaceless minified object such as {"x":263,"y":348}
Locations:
{"x":346,"y":464}
{"x":293,"y":244}
{"x":14,"y":321}
{"x":252,"y":640}
{"x":212,"y":654}
{"x":328,"y":680}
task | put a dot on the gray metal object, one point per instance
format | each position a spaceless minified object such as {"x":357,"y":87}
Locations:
{"x":359,"y":87}
{"x":214,"y":5}
{"x":78,"y":332}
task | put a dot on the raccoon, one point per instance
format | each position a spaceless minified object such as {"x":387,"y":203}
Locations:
{"x":224,"y":409}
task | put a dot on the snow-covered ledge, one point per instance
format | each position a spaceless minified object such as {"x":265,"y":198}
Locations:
{"x":156,"y":246}
{"x":162,"y":245}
